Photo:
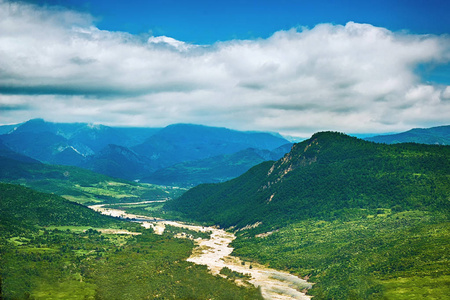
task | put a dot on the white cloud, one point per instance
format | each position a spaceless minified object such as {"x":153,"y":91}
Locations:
{"x":355,"y":78}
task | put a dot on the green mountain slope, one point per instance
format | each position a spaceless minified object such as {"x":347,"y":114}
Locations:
{"x":388,"y":255}
{"x":74,"y":183}
{"x":360,"y":220}
{"x":327,"y":176}
{"x":24,"y":207}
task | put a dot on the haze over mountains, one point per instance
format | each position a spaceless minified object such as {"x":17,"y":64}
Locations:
{"x":136,"y":153}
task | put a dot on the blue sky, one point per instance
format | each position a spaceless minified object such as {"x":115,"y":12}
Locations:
{"x":295,"y":66}
{"x":206,"y":21}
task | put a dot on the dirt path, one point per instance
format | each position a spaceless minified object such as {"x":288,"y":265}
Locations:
{"x":216,"y":254}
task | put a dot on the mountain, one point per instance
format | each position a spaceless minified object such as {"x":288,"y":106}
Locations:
{"x":7,"y":153}
{"x":186,"y":142}
{"x":68,"y":143}
{"x":77,"y":184}
{"x":118,"y":161}
{"x":214,"y":169}
{"x":326,"y":176}
{"x":42,"y":146}
{"x":358,"y":219}
{"x":436,"y":135}
{"x":130,"y":153}
{"x":4,"y":129}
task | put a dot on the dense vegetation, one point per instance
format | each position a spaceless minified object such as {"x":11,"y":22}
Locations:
{"x":362,"y":220}
{"x":58,"y":264}
{"x":328,"y":176}
{"x":388,"y":255}
{"x":41,"y":257}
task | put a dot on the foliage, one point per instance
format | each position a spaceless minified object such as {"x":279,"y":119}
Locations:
{"x":49,"y":250}
{"x":68,"y":265}
{"x":364,"y":220}
{"x":233,"y":275}
{"x":174,"y":230}
{"x":386,"y":256}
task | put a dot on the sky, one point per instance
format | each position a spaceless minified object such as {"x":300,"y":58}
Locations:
{"x":289,"y":66}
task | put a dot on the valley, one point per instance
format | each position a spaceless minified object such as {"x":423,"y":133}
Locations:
{"x":215,"y":252}
{"x":51,"y":248}
{"x":355,"y":219}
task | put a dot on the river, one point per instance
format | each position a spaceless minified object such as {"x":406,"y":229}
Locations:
{"x":215,"y":253}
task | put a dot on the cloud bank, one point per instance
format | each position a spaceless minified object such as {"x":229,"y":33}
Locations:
{"x":357,"y":78}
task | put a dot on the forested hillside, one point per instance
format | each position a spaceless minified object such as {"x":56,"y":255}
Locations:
{"x":214,"y":169}
{"x":328,"y":176}
{"x":24,"y":207}
{"x":360,"y":220}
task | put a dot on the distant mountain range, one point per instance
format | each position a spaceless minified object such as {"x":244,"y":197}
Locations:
{"x":435,"y":135}
{"x":137,"y":153}
{"x":74,"y":183}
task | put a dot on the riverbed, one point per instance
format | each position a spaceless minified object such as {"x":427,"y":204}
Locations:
{"x":215,"y":253}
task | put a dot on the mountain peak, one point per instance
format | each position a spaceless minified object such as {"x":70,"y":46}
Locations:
{"x":36,"y":120}
{"x":328,"y":135}
{"x":35,"y":125}
{"x":322,"y":148}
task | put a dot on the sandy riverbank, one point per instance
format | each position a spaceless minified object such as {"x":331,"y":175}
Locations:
{"x":215,"y":253}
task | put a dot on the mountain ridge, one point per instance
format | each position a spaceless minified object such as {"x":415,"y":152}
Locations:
{"x":439,"y":135}
{"x":214,"y":169}
{"x":137,"y":153}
